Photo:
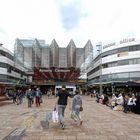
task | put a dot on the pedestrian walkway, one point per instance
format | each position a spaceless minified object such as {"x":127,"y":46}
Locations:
{"x":3,"y":98}
{"x":18,"y":122}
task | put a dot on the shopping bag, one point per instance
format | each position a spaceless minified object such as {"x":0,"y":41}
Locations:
{"x":49,"y":116}
{"x":73,"y":115}
{"x":81,"y":108}
{"x":55,"y":116}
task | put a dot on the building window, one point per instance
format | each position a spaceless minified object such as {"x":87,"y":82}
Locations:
{"x":123,"y":62}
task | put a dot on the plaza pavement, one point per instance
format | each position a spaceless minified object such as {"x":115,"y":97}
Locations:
{"x":18,"y":122}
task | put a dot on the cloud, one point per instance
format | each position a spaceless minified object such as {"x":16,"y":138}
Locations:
{"x":71,"y":13}
{"x":80,"y":20}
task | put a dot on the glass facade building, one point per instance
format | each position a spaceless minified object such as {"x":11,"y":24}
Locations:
{"x":37,"y":54}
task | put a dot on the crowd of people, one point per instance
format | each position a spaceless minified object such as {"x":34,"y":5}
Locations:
{"x":116,"y":101}
{"x":32,"y":95}
{"x":120,"y":101}
{"x":63,"y":97}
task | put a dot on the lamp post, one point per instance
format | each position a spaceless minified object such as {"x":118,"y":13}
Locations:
{"x":111,"y":82}
{"x":100,"y":65}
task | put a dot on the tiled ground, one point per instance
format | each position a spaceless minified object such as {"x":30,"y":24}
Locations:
{"x":100,"y":123}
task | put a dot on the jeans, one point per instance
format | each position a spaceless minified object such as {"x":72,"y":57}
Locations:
{"x":61,"y":110}
{"x":77,"y":113}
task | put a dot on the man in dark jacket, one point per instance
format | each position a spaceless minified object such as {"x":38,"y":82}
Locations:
{"x":61,"y":102}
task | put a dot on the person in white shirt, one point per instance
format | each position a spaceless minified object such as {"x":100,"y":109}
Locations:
{"x":113,"y":101}
{"x":119,"y":100}
{"x":131,"y":102}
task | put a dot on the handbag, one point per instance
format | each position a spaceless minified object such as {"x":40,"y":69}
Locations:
{"x":73,"y":115}
{"x":55,"y":116}
{"x":81,"y":108}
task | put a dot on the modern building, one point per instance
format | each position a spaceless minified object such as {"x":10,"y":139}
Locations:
{"x":116,"y":64}
{"x":11,"y":74}
{"x":51,"y":62}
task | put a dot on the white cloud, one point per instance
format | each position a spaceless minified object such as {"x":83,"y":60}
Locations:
{"x":105,"y":21}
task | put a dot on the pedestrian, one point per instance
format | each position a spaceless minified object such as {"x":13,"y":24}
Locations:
{"x":38,"y":97}
{"x":61,"y":103}
{"x":49,"y":93}
{"x":14,"y":97}
{"x":29,"y":95}
{"x":18,"y":97}
{"x":76,"y":106}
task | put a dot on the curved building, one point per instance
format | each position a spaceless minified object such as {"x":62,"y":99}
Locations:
{"x":10,"y":74}
{"x":116,"y":63}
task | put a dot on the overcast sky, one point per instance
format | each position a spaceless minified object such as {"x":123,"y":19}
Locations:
{"x":80,"y":20}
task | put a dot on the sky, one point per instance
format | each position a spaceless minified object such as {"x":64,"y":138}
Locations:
{"x":103,"y":21}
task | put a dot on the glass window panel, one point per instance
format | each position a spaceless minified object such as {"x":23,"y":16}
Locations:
{"x":123,"y":75}
{"x":138,"y":61}
{"x":123,"y":62}
{"x":135,"y":74}
{"x":124,"y":49}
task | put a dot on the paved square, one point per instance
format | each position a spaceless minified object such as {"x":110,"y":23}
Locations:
{"x":99,"y":122}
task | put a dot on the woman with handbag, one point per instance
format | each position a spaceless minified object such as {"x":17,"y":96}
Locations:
{"x":77,"y":107}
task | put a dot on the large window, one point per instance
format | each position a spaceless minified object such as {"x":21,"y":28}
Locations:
{"x":134,"y":48}
{"x":93,"y":71}
{"x":3,"y":76}
{"x":6,"y":54}
{"x":134,"y":74}
{"x":121,"y":76}
{"x":123,"y":49}
{"x":122,"y":62}
{"x":3,"y":65}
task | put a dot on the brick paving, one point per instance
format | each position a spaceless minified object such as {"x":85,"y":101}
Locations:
{"x":99,"y":122}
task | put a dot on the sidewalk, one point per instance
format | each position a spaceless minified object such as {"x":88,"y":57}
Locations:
{"x":4,"y":101}
{"x":99,"y":123}
{"x":3,"y":98}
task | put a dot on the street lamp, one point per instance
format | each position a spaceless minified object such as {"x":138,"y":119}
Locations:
{"x":100,"y":65}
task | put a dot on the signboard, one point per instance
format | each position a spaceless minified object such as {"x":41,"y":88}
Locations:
{"x":109,"y":45}
{"x":127,"y":40}
{"x":54,"y":70}
{"x":121,"y":42}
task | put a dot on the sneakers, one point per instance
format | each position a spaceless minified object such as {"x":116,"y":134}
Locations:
{"x":62,"y":126}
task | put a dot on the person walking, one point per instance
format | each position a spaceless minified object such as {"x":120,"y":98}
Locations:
{"x":14,"y":97}
{"x":76,"y":106}
{"x":29,"y":96}
{"x":61,"y":103}
{"x":38,"y":97}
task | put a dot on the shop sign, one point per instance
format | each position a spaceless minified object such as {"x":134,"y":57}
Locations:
{"x":127,"y":40}
{"x":54,"y":70}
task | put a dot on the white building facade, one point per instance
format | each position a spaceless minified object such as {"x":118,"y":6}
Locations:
{"x":10,"y":73}
{"x":116,"y":62}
